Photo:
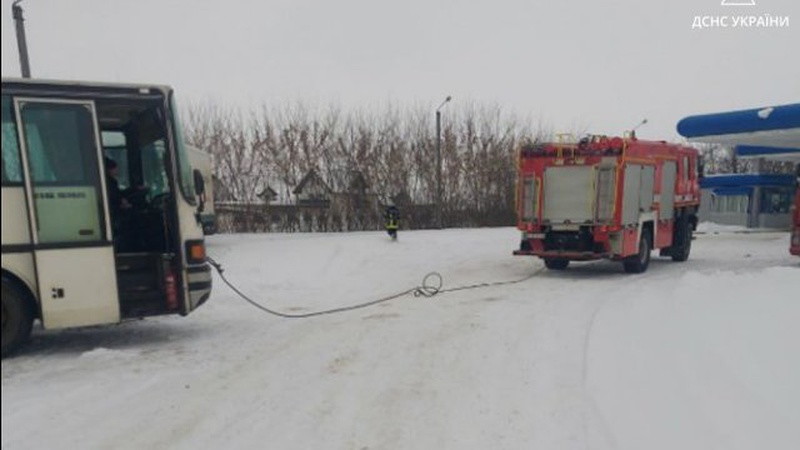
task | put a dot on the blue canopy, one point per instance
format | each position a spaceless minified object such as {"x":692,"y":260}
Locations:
{"x":772,"y":132}
{"x":746,"y":179}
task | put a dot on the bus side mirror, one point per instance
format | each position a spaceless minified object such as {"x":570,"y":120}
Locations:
{"x":199,"y":190}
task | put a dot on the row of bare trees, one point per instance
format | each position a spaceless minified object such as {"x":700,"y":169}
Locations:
{"x":393,"y":151}
{"x":719,"y":159}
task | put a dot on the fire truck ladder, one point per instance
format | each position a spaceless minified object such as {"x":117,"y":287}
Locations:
{"x":565,"y":141}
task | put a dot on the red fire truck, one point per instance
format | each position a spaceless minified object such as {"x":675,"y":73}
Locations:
{"x":615,"y":198}
{"x":794,"y":247}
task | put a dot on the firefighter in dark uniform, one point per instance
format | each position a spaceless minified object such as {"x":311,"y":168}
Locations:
{"x":392,"y":216}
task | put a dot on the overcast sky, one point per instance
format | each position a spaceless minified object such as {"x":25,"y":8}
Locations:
{"x":602,"y":65}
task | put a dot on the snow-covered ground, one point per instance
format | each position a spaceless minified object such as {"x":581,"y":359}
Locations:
{"x":711,"y":227}
{"x":695,"y":355}
{"x":716,"y":228}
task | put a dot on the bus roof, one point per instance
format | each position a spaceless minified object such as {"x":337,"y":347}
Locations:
{"x":75,"y":85}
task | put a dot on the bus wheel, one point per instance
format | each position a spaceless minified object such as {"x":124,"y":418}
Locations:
{"x":17,"y":317}
{"x":556,"y":263}
{"x":638,"y":263}
{"x":680,"y":252}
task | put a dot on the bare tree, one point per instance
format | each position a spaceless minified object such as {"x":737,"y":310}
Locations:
{"x":367,"y":158}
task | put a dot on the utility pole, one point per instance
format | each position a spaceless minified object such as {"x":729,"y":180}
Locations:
{"x":439,"y":202}
{"x":22,"y":44}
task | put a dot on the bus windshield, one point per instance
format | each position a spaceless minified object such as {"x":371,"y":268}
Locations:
{"x":142,"y":166}
{"x":181,"y":153}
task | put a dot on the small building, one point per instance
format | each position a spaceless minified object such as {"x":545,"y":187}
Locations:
{"x":267,"y":195}
{"x":749,"y":200}
{"x":312,"y":191}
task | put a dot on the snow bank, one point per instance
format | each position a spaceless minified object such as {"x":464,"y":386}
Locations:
{"x":703,"y":362}
{"x":712,"y":227}
{"x":694,"y":355}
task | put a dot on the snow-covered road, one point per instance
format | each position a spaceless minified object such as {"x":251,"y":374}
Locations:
{"x":695,"y":355}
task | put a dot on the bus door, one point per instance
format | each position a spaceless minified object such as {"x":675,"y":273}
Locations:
{"x":70,"y":226}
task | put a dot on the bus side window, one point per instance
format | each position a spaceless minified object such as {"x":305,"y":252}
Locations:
{"x":12,"y":168}
{"x":115,"y":147}
{"x":39,"y":163}
{"x":38,"y":158}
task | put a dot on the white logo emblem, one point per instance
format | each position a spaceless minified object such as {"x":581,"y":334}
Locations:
{"x":738,"y":2}
{"x":765,"y":113}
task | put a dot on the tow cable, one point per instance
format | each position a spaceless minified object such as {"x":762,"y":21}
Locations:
{"x":431,"y":286}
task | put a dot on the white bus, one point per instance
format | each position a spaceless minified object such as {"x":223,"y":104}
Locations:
{"x":203,"y":170}
{"x":82,"y":244}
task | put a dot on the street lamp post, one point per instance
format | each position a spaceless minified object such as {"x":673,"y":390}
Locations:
{"x":439,"y":206}
{"x":22,"y":44}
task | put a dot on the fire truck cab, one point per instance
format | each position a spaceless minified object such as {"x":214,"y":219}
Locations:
{"x":615,"y":198}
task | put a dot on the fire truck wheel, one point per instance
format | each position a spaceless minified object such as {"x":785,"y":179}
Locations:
{"x":680,"y":253}
{"x":556,"y":263}
{"x":17,"y":317}
{"x":638,"y":263}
